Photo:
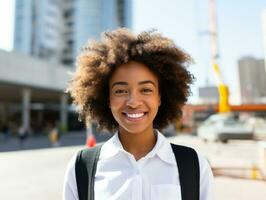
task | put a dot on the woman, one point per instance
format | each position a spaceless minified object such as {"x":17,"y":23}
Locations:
{"x":133,"y":85}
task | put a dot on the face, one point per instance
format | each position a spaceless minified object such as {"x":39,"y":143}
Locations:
{"x":134,"y":97}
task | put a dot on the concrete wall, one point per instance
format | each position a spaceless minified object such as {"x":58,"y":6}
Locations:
{"x":23,"y":70}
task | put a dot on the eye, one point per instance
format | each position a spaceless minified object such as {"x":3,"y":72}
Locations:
{"x":146,"y":90}
{"x":120,"y":91}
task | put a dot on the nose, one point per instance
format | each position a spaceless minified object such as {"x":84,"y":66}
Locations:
{"x":133,"y":100}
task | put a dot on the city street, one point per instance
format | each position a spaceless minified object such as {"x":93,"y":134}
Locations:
{"x":38,"y":174}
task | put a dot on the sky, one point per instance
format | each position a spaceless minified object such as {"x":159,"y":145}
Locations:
{"x":239,"y":33}
{"x":186,"y":21}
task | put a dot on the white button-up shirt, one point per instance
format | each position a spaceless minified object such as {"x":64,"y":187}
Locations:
{"x":154,"y":177}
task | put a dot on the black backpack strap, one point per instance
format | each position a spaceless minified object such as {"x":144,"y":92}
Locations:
{"x":85,"y":168}
{"x":189,"y":171}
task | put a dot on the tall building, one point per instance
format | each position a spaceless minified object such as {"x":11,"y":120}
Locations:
{"x":95,"y":16}
{"x":252,"y":78}
{"x":56,"y":29}
{"x":38,"y":29}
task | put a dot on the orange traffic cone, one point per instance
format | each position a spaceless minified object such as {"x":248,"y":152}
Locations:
{"x":91,"y":141}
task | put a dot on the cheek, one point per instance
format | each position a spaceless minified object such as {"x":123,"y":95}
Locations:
{"x":154,"y":101}
{"x":114,"y":103}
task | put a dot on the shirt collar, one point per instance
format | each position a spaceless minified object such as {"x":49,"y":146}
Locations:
{"x":111,"y":147}
{"x":162,"y":148}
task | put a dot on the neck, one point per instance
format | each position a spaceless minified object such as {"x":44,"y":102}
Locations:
{"x":138,"y":144}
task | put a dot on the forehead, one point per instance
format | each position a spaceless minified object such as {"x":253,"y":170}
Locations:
{"x":133,"y":72}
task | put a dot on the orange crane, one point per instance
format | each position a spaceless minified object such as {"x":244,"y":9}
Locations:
{"x":222,"y":87}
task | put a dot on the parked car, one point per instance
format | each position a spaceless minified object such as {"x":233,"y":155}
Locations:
{"x":259,"y":127}
{"x":224,"y":127}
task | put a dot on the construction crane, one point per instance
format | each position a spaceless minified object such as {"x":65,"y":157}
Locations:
{"x":222,"y":87}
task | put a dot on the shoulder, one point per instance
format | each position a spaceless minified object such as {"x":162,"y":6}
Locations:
{"x":203,"y":161}
{"x":206,"y":178}
{"x":71,"y":164}
{"x":70,"y":186}
{"x":185,"y":152}
{"x":70,"y":175}
{"x":205,"y":173}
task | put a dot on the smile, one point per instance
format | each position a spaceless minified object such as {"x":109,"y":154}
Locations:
{"x":134,"y":116}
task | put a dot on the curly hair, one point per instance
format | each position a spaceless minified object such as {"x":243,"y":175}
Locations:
{"x":97,"y":61}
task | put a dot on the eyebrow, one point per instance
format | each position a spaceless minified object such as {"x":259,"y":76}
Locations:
{"x":125,"y":83}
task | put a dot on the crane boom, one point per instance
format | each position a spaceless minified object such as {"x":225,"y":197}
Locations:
{"x":222,"y":87}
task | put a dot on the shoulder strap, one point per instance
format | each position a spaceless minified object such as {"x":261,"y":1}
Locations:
{"x":189,"y":172}
{"x":85,"y":168}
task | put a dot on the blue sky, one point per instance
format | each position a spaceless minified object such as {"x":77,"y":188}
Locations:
{"x":239,"y":26}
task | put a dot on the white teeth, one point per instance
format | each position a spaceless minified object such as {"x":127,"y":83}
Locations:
{"x":135,"y":115}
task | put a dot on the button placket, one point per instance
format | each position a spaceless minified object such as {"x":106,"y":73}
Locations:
{"x":137,"y":180}
{"x":137,"y":189}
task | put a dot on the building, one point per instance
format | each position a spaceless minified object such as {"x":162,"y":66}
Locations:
{"x":38,"y":29}
{"x":208,"y":95}
{"x":252,"y":79}
{"x":96,"y":16}
{"x":55,"y":29}
{"x":33,"y":94}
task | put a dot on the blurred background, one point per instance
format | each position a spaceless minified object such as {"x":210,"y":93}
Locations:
{"x":225,"y":117}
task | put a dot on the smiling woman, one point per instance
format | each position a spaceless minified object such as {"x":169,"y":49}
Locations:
{"x":134,"y":86}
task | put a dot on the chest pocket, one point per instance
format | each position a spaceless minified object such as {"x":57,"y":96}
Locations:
{"x":165,"y":191}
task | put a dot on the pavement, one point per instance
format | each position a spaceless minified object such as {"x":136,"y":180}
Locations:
{"x":31,"y":173}
{"x":42,"y":141}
